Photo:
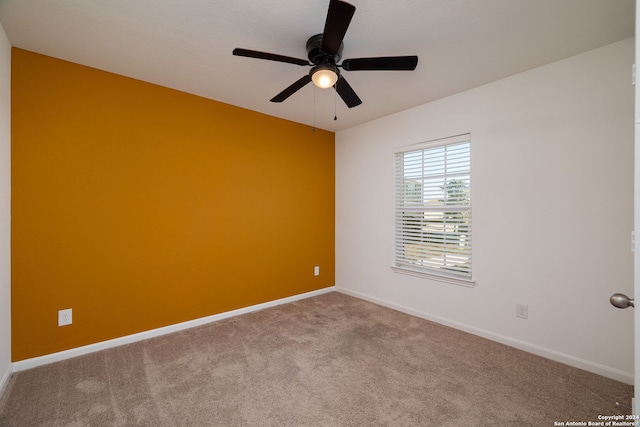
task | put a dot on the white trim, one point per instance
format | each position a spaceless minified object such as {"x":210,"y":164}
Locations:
{"x":4,"y":380}
{"x":596,"y":368}
{"x":79,"y":351}
{"x":469,"y":283}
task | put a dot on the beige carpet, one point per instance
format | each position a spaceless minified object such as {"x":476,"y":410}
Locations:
{"x":330,"y":360}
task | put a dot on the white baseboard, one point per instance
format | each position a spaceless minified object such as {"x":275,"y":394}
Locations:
{"x":4,"y":379}
{"x":79,"y":351}
{"x":596,"y":368}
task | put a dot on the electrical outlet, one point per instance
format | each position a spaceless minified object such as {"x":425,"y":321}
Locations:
{"x":64,"y":317}
{"x":316,"y":270}
{"x":522,"y":311}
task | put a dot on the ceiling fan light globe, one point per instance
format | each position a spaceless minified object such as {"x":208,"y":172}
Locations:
{"x":324,"y":78}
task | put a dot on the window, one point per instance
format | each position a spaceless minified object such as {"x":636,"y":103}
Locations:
{"x":433,"y":210}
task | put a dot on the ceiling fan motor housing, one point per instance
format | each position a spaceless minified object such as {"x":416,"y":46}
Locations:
{"x":317,"y":56}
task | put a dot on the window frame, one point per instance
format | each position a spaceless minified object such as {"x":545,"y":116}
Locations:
{"x":400,"y":264}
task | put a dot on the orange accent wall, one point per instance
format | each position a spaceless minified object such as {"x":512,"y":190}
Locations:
{"x":140,"y":206}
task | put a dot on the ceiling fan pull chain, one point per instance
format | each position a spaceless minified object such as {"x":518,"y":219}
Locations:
{"x":335,"y":96}
{"x":314,"y":108}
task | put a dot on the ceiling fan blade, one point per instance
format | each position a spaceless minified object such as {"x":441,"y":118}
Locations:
{"x":269,"y":56}
{"x":396,"y":63}
{"x":347,"y":94}
{"x":292,"y":89}
{"x":335,"y":27}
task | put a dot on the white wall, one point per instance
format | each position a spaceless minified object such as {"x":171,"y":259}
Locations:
{"x":552,"y":191}
{"x":5,"y":209}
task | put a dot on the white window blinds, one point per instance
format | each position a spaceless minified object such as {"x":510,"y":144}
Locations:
{"x":433,"y":207}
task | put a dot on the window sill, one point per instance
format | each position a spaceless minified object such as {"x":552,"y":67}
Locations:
{"x":469,"y":283}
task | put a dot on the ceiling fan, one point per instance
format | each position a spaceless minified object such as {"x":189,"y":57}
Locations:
{"x":325,"y":51}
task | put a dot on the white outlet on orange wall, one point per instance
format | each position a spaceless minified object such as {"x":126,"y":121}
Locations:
{"x":316,"y":270}
{"x":65,"y":317}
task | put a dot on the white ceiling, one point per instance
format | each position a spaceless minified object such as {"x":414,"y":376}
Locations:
{"x":187,"y":45}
